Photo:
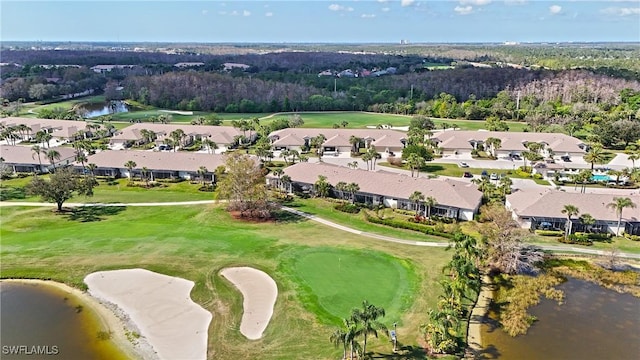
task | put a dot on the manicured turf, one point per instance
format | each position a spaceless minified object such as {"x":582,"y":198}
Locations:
{"x":197,"y":242}
{"x":120,"y":192}
{"x":346,"y":279}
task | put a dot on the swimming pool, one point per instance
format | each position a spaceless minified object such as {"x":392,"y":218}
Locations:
{"x":600,"y":178}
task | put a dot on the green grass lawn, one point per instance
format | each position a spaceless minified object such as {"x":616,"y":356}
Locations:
{"x":121,"y":193}
{"x":197,"y":242}
{"x":325,"y":210}
{"x":346,"y":280}
{"x":447,"y":169}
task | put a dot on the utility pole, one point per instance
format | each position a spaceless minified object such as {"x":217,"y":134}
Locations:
{"x":411,"y":93}
{"x":518,"y":105}
{"x":335,"y":87}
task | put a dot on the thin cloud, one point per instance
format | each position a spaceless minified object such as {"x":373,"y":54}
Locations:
{"x":383,"y":1}
{"x":336,"y":7}
{"x":618,"y":11}
{"x":368,"y":16}
{"x":269,"y":14}
{"x":385,"y":9}
{"x":205,"y":12}
{"x":475,"y":2}
{"x":405,"y":3}
{"x":463,"y":10}
{"x":555,"y":9}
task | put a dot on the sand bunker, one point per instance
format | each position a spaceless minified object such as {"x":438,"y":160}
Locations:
{"x":160,"y":306}
{"x":259,"y":292}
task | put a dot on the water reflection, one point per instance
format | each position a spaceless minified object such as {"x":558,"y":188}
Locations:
{"x":593,"y":323}
{"x":91,"y":110}
{"x":43,"y":322}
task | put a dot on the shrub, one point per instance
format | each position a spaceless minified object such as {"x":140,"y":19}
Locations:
{"x":347,"y":208}
{"x":401,"y":224}
{"x":207,"y":188}
{"x":578,"y":239}
{"x":395,"y":161}
{"x":632,"y":237}
{"x":10,"y":193}
{"x":549,"y":232}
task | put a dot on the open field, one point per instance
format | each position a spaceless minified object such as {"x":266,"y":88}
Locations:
{"x":357,"y":119}
{"x":197,"y":242}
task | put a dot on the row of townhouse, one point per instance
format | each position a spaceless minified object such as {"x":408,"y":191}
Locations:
{"x":61,"y":130}
{"x":450,"y":142}
{"x":537,"y":209}
{"x":455,"y":199}
{"x":532,"y":208}
{"x":223,"y":136}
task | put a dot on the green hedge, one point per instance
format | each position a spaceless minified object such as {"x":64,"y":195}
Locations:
{"x":632,"y":237}
{"x":549,"y":232}
{"x":401,"y":224}
{"x":579,"y":239}
{"x":347,"y":208}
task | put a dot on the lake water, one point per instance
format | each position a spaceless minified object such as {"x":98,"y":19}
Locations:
{"x":593,"y":323}
{"x":91,"y":110}
{"x":44,"y":322}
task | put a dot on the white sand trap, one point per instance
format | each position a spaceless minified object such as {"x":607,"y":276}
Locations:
{"x":161,"y":308}
{"x":259,"y":292}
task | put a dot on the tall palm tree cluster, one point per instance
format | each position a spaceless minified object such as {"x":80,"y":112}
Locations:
{"x":493,"y":191}
{"x":444,"y":332}
{"x":362,"y":322}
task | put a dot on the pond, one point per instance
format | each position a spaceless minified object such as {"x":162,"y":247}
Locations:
{"x":593,"y":323}
{"x":90,"y":110}
{"x":39,"y":321}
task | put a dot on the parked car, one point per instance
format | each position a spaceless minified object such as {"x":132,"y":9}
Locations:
{"x":463,"y":165}
{"x":467,"y":174}
{"x":493,"y":176}
{"x":516,"y":157}
{"x":565,"y":158}
{"x":484,"y":173}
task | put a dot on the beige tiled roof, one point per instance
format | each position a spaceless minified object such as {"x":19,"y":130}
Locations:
{"x":549,"y":203}
{"x":221,"y":135}
{"x":511,"y":141}
{"x":24,"y":155}
{"x":446,"y":191}
{"x":61,"y":128}
{"x":153,"y":160}
{"x":337,"y":137}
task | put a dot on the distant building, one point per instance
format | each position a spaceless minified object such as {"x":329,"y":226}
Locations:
{"x":108,"y":68}
{"x":230,"y":66}
{"x":188,"y":64}
{"x":23,"y":159}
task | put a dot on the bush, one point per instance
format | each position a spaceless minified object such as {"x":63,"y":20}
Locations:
{"x":578,"y":239}
{"x":549,"y":232}
{"x":395,"y":161}
{"x":596,"y":236}
{"x":632,"y":237}
{"x":11,"y":193}
{"x":347,"y":208}
{"x":207,"y":188}
{"x":401,"y":224}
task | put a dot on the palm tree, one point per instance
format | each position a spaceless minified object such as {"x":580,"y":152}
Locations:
{"x":617,"y":174}
{"x":130,"y":165}
{"x":177,"y":136}
{"x":353,"y":188}
{"x":494,"y":144}
{"x":202,"y":171}
{"x":374,"y":156}
{"x":352,"y":333}
{"x":415,"y":163}
{"x":633,"y":157}
{"x":285,"y":153}
{"x":594,"y":155}
{"x":416,"y":198}
{"x":367,"y":318}
{"x":355,"y":144}
{"x":211,"y":145}
{"x":53,"y":155}
{"x":339,"y":337}
{"x":430,"y":202}
{"x":321,"y":186}
{"x":505,"y":184}
{"x":587,"y":220}
{"x":37,"y":150}
{"x":91,"y":168}
{"x":569,"y":210}
{"x":342,"y":187}
{"x":286,"y":182}
{"x":619,"y":204}
{"x":145,"y":175}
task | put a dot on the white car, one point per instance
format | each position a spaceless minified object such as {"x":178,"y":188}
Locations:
{"x":493,"y":176}
{"x":463,"y":165}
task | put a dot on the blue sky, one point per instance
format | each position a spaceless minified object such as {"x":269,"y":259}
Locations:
{"x":328,"y":21}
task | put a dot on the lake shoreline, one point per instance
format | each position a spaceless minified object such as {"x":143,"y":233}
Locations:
{"x":108,"y":315}
{"x":477,"y":318}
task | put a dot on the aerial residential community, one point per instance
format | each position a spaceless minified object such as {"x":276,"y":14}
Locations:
{"x":318,"y":184}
